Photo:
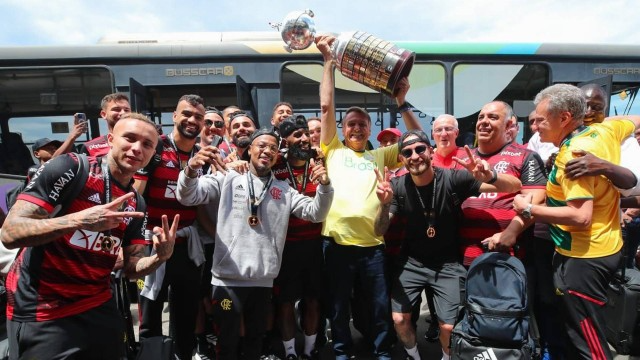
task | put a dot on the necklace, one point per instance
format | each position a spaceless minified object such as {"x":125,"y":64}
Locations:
{"x":181,"y":164}
{"x":254,"y":202}
{"x":431,"y":214}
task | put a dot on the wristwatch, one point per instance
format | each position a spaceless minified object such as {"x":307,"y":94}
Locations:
{"x":526,"y":213}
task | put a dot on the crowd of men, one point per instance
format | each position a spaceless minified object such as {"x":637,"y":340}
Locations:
{"x":233,"y":224}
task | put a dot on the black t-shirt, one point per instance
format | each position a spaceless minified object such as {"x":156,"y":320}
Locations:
{"x":452,"y":188}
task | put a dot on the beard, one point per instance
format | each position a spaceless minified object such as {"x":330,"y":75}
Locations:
{"x":297,"y":152}
{"x":241,"y":142}
{"x":187,"y":134}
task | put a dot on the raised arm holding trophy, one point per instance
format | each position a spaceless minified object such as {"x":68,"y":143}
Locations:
{"x":359,"y":56}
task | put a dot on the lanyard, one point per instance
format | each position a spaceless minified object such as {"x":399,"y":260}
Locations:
{"x":175,"y":148}
{"x":254,"y":202}
{"x":431,"y":216}
{"x":106,"y":242}
{"x":305,"y":177}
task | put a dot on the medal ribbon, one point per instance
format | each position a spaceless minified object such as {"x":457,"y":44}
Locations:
{"x":431,"y":216}
{"x":175,"y":148}
{"x":107,"y":242}
{"x":305,"y":177}
{"x":254,"y":202}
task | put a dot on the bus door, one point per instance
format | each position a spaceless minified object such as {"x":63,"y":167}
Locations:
{"x":246,"y":96}
{"x":138,"y":98}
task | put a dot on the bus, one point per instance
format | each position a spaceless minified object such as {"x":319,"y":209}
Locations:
{"x":41,"y":87}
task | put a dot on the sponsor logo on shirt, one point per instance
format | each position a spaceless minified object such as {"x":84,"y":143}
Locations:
{"x":59,"y":184}
{"x":90,"y":240}
{"x":170,"y":164}
{"x":95,"y":198}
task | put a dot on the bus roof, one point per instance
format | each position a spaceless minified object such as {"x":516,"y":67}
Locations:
{"x":217,"y":44}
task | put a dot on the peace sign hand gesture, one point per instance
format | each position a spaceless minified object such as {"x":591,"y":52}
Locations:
{"x":383,"y":189}
{"x":480,"y":169}
{"x":106,"y":216}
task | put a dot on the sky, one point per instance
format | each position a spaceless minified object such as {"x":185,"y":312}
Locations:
{"x":84,"y":22}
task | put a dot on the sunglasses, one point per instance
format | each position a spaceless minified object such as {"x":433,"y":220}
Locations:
{"x":419,"y":150}
{"x":218,"y":124}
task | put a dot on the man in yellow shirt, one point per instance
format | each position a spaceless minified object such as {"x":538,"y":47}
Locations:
{"x":352,"y":249}
{"x":583,"y":212}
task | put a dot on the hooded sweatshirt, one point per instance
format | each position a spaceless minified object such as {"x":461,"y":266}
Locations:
{"x":244,"y":255}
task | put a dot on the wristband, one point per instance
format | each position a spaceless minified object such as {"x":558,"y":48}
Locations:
{"x":494,"y":178}
{"x":191,"y":170}
{"x":404,"y":107}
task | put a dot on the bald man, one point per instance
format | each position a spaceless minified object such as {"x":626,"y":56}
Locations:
{"x":445,"y":132}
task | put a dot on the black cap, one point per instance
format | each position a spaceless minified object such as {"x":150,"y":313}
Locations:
{"x":40,"y":143}
{"x":257,"y":133}
{"x":421,"y":137}
{"x":291,"y":124}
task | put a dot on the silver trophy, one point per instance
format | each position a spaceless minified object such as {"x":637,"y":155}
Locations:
{"x":359,"y":56}
{"x":298,"y":30}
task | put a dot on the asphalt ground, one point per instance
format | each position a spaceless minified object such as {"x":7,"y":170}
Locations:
{"x":428,"y":350}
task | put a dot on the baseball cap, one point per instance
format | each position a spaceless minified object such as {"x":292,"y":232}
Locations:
{"x":257,"y":133}
{"x":393,"y":131}
{"x":421,"y":137}
{"x":40,"y":143}
{"x":291,"y":124}
{"x":241,"y":113}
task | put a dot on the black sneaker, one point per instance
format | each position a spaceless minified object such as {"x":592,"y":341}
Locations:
{"x":291,"y":357}
{"x":204,"y":351}
{"x":433,"y":332}
{"x":269,"y":357}
{"x":315,"y":355}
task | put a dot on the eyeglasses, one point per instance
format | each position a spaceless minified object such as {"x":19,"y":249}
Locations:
{"x":409,"y":152}
{"x":218,"y":124}
{"x":272,"y":148}
{"x":443,"y":129}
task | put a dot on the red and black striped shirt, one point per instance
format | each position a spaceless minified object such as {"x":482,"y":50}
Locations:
{"x":71,"y":274}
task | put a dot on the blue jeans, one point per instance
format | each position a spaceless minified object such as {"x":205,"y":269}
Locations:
{"x":345,"y":265}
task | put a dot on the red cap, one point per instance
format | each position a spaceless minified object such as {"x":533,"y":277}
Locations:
{"x":393,"y":131}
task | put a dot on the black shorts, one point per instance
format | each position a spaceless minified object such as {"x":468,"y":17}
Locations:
{"x":301,"y":274}
{"x":446,"y":282}
{"x":205,"y":283}
{"x":97,"y":333}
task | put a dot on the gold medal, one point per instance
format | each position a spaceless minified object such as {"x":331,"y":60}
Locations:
{"x":431,"y":232}
{"x":253,"y":220}
{"x":106,"y":244}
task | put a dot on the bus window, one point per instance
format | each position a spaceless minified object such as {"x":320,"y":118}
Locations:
{"x":300,"y":84}
{"x":53,"y":90}
{"x":623,"y":100}
{"x":52,"y":127}
{"x":477,"y":84}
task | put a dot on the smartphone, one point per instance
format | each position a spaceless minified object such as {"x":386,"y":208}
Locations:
{"x":82,"y":118}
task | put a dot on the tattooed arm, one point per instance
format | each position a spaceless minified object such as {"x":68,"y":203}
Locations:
{"x":28,"y":224}
{"x":137,"y":265}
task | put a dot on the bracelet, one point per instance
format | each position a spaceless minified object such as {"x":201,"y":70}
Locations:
{"x":404,"y":107}
{"x":494,"y":178}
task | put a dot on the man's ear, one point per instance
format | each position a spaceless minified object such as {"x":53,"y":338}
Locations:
{"x":565,"y":118}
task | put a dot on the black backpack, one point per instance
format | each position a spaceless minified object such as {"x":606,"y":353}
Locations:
{"x":495,"y":317}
